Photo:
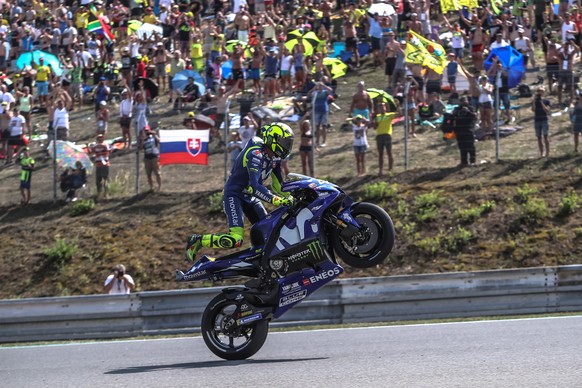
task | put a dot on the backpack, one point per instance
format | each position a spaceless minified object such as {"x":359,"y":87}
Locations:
{"x":448,"y":124}
{"x":524,"y":90}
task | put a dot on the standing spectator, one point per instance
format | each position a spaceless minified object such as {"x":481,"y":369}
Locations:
{"x":524,"y":46}
{"x":177,"y":64}
{"x":322,"y":93}
{"x":27,"y":165}
{"x":160,"y":58}
{"x":391,"y":50}
{"x":452,"y":70}
{"x":541,"y":108}
{"x":243,"y":22}
{"x":568,"y":28}
{"x":125,"y":112}
{"x":486,"y":104}
{"x":576,"y":118}
{"x":566,"y":76}
{"x":465,"y":119}
{"x":76,"y":87}
{"x":118,"y":282}
{"x":101,"y":93}
{"x":306,"y":145}
{"x":102,"y":118}
{"x":361,"y":102}
{"x":58,"y":106}
{"x":502,"y":85}
{"x":16,"y":129}
{"x":151,"y":149}
{"x":140,"y":109}
{"x":411,"y":101}
{"x":101,"y":151}
{"x":43,"y":75}
{"x":248,"y":130}
{"x":375,"y":33}
{"x":351,"y":35}
{"x":26,"y":102}
{"x":383,"y":124}
{"x":360,"y":129}
{"x":234,"y":147}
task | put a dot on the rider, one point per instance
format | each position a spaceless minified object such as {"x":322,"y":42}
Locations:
{"x":245,"y":187}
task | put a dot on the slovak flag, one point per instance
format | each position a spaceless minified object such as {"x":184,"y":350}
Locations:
{"x":184,"y":146}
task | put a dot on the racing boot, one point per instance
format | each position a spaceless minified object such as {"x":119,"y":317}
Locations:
{"x":193,"y":246}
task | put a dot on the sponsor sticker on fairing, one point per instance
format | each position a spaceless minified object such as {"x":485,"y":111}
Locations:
{"x":195,"y":275}
{"x":324,"y":275}
{"x":287,"y":288}
{"x":296,"y":297}
{"x":250,"y":318}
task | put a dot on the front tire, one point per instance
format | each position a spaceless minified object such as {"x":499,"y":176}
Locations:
{"x":239,"y":345}
{"x":372,"y":244}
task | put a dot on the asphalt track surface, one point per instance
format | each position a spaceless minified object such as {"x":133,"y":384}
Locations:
{"x":541,"y":352}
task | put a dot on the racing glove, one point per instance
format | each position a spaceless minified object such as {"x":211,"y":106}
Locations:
{"x":279,"y":201}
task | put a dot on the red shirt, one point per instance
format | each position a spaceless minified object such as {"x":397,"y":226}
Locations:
{"x":101,"y":152}
{"x":141,"y":69}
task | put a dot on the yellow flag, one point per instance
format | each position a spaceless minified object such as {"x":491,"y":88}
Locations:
{"x":469,"y":4}
{"x":422,"y":51}
{"x":450,"y":5}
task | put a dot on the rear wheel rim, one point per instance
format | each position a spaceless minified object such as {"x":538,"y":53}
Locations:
{"x":228,"y":342}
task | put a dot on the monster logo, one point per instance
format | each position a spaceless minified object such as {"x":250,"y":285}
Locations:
{"x":316,"y":250}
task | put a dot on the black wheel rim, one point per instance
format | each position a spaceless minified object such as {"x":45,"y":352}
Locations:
{"x":231,"y":341}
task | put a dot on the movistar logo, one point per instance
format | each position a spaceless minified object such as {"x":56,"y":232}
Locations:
{"x":316,"y":250}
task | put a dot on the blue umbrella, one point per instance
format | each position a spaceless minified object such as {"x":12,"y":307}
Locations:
{"x":33,"y":59}
{"x":226,"y":69}
{"x":180,"y":80}
{"x":512,"y":61}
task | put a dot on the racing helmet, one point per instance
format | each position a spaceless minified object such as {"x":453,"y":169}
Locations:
{"x":278,"y":137}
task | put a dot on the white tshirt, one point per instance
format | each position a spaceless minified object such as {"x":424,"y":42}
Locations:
{"x":286,"y":62}
{"x":360,"y":137}
{"x":567,"y":27}
{"x":16,"y":125}
{"x":126,"y":107}
{"x":521,"y":43}
{"x":119,"y":287}
{"x":495,"y":44}
{"x":457,"y":41}
{"x":6,"y":97}
{"x":246,"y":134}
{"x":61,"y":118}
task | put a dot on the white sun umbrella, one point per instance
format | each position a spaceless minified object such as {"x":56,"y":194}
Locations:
{"x":148,"y":30}
{"x":382,"y":9}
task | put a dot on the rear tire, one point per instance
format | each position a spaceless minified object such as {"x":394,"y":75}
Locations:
{"x":376,"y":241}
{"x":242,"y":344}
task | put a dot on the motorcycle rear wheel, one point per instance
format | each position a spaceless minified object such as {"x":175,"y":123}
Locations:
{"x":376,"y":241}
{"x":230,"y":346}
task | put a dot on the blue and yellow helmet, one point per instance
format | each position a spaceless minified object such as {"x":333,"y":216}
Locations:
{"x":278,"y":137}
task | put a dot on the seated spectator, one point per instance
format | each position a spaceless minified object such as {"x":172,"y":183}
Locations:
{"x":189,"y":94}
{"x":73,"y":179}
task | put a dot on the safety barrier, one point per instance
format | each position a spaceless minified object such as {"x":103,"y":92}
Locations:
{"x":393,"y":298}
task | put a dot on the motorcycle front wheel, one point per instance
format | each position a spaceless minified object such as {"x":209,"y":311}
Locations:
{"x":372,"y":243}
{"x":238,"y":345}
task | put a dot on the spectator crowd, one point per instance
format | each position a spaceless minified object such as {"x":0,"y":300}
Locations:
{"x":129,"y":51}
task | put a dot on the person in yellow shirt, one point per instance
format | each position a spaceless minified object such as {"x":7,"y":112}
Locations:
{"x":383,"y":124}
{"x":150,"y":17}
{"x":43,"y":74}
{"x":196,"y":53}
{"x":82,"y":20}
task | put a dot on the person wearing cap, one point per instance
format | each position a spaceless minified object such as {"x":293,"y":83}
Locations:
{"x":247,"y":130}
{"x":100,"y":152}
{"x":523,"y":45}
{"x":26,"y":167}
{"x":499,"y":42}
{"x":486,"y":104}
{"x":101,"y":93}
{"x":126,"y":65}
{"x":43,"y":75}
{"x":150,"y":17}
{"x":190,"y":93}
{"x":458,"y":40}
{"x":26,"y":104}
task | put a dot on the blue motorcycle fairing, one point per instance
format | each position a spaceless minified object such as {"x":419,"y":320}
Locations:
{"x":298,"y":286}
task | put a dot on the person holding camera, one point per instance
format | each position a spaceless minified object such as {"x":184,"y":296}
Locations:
{"x":541,"y":108}
{"x":118,"y":282}
{"x":465,"y":119}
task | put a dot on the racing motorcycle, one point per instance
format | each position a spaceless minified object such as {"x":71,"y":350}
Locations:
{"x":292,"y":254}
